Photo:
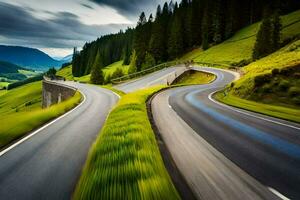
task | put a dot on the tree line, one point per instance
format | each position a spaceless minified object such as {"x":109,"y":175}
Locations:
{"x":175,"y":29}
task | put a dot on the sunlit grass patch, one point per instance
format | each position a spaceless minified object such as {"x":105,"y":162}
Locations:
{"x":195,"y":78}
{"x":21,"y":112}
{"x":125,"y":161}
{"x":110,"y":69}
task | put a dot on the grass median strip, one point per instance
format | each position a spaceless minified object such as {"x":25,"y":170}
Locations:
{"x":21,"y":112}
{"x":125,"y":161}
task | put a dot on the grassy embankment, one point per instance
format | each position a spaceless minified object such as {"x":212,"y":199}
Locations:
{"x":21,"y":112}
{"x":125,"y":160}
{"x":108,"y":70}
{"x":238,"y":49}
{"x":278,"y":94}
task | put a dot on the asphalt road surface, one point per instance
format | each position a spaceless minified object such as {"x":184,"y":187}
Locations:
{"x":48,"y":164}
{"x":156,"y":78}
{"x":224,"y":152}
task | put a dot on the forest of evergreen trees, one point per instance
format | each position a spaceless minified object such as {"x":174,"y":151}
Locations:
{"x":174,"y":30}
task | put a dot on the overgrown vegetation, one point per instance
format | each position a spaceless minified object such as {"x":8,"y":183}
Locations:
{"x":21,"y":112}
{"x":125,"y":162}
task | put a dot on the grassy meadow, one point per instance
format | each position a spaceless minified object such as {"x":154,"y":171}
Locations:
{"x":108,"y":70}
{"x":238,"y":49}
{"x":125,"y":161}
{"x":21,"y":112}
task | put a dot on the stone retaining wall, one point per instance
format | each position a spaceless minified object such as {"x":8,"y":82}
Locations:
{"x":54,"y":93}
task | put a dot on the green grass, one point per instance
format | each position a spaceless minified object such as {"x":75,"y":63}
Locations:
{"x":110,"y":87}
{"x":125,"y":161}
{"x":67,"y":72}
{"x":3,"y":84}
{"x":195,"y":78}
{"x":28,"y":73}
{"x":111,"y":68}
{"x":239,"y":48}
{"x":21,"y":112}
{"x":269,"y":98}
{"x":271,"y":110}
{"x":285,"y":57}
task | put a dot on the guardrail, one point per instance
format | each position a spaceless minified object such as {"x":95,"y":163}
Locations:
{"x":146,"y":71}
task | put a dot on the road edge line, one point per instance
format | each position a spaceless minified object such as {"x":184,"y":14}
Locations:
{"x":249,"y":114}
{"x":12,"y":146}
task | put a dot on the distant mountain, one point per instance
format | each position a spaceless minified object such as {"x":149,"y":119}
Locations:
{"x":67,"y":58}
{"x":28,"y":57}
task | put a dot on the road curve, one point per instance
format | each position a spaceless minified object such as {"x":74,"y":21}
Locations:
{"x":160,"y":77}
{"x":48,"y":165}
{"x":224,"y":152}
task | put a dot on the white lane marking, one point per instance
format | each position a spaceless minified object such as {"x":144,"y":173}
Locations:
{"x":42,"y":128}
{"x":281,"y":196}
{"x":246,"y":113}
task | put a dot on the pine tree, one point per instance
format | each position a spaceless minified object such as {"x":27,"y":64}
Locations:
{"x":159,"y":35}
{"x":197,"y":12}
{"x":96,"y":73}
{"x":175,"y":42}
{"x":140,"y":45}
{"x":149,"y":61}
{"x":205,"y":31}
{"x":132,"y":66}
{"x":276,"y":31}
{"x":263,"y":44}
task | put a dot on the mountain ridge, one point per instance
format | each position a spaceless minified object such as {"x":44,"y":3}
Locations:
{"x":27,"y":57}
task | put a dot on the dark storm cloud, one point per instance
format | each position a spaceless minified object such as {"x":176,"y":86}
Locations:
{"x":130,"y":7}
{"x":18,"y":26}
{"x":87,"y":6}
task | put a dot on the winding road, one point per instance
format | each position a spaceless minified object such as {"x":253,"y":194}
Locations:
{"x":47,"y":165}
{"x":225,"y":152}
{"x":221,"y":151}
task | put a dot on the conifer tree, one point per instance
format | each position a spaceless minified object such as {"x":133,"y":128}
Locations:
{"x":205,"y":31}
{"x":175,"y":42}
{"x":96,"y":73}
{"x":276,"y":31}
{"x":140,"y":45}
{"x":263,"y":44}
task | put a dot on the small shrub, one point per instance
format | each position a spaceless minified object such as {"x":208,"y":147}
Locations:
{"x":267,"y":89}
{"x":284,"y":85}
{"x":28,"y":104}
{"x":294,"y":92}
{"x":296,"y":100}
{"x":275,"y":72}
{"x":262,"y":79}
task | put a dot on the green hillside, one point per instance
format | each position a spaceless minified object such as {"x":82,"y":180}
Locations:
{"x":21,"y":112}
{"x":6,"y":67}
{"x":238,"y":49}
{"x":108,"y":70}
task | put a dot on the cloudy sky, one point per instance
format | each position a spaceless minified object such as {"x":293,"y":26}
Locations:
{"x":56,"y":26}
